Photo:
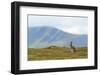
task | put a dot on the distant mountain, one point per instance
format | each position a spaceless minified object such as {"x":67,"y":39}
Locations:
{"x":40,"y":37}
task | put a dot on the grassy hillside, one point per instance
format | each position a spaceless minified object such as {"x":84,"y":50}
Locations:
{"x":54,"y":53}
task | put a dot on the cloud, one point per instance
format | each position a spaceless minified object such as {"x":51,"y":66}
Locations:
{"x":75,"y":25}
{"x":74,"y":30}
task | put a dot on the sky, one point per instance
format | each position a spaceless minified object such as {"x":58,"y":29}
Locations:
{"x":71,"y":24}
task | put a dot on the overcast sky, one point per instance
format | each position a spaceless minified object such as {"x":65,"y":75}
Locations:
{"x":75,"y":25}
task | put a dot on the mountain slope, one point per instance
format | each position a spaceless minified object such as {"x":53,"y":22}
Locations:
{"x":40,"y":37}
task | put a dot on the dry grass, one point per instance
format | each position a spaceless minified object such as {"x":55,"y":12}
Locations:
{"x":54,"y":53}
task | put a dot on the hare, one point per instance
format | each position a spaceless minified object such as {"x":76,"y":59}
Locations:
{"x":72,"y":48}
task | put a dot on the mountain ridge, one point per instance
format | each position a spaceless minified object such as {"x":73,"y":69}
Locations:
{"x":44,"y":36}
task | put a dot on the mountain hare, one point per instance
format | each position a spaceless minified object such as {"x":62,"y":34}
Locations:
{"x":72,"y":48}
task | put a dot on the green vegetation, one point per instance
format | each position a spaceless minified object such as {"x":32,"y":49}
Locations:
{"x":54,"y":53}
